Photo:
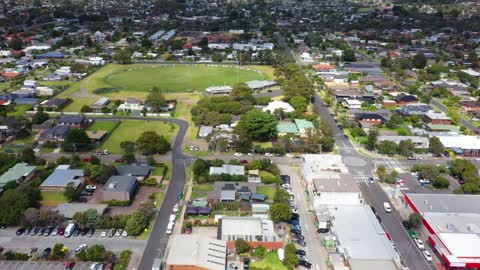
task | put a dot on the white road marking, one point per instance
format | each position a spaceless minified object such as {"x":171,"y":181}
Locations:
{"x":316,"y":266}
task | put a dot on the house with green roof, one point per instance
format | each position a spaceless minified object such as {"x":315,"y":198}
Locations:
{"x":20,"y":172}
{"x":303,"y":125}
{"x":439,"y":128}
{"x":285,"y":128}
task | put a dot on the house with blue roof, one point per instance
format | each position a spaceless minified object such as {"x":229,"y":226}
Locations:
{"x":61,"y":178}
{"x":51,"y":55}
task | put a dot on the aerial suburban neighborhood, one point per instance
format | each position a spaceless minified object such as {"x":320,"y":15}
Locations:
{"x":228,"y":135}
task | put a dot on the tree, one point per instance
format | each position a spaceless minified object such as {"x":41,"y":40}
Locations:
{"x":16,"y":43}
{"x":128,"y":146}
{"x":39,"y":117}
{"x":371,"y":142}
{"x":101,"y":173}
{"x":291,"y":258}
{"x":71,"y":193}
{"x":77,"y":140}
{"x":31,"y":217}
{"x":80,"y":219}
{"x":406,"y":147}
{"x":281,"y":196}
{"x":128,"y":158}
{"x":349,"y":56}
{"x":217,"y":57}
{"x":381,"y":172}
{"x":147,"y":208}
{"x":258,"y":125}
{"x":241,"y":92}
{"x":419,"y":61}
{"x":122,"y":57}
{"x":299,"y":103}
{"x":136,"y":223}
{"x":454,"y":115}
{"x":91,"y":218}
{"x":86,"y":109}
{"x":387,"y":147}
{"x":395,"y":121}
{"x":280,"y":212}
{"x":327,"y":143}
{"x":259,"y":252}
{"x":415,"y":219}
{"x":156,"y":100}
{"x":241,"y":246}
{"x":441,"y":182}
{"x":391,"y":178}
{"x":150,"y":143}
{"x":200,"y":167}
{"x":28,"y":155}
{"x":470,"y":188}
{"x":435,"y":146}
{"x":58,"y":252}
{"x":95,"y":253}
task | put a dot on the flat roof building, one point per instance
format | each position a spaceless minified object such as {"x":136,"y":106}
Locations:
{"x":335,"y":189}
{"x":453,"y":223}
{"x":196,"y":252}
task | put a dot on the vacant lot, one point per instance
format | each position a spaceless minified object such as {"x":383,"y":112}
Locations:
{"x":130,"y":130}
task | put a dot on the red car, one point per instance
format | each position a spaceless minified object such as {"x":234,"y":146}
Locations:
{"x":87,"y":159}
{"x":69,"y":265}
{"x":119,"y":160}
{"x":244,"y":161}
{"x":61,"y":231}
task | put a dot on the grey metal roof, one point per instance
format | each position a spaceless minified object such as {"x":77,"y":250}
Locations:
{"x":16,"y":172}
{"x":135,"y":170}
{"x":58,"y":131}
{"x":198,"y":250}
{"x":120,"y":184}
{"x":72,"y":119}
{"x":62,"y":176}
{"x":445,"y":203}
{"x":204,"y":131}
{"x":335,"y":183}
{"x":227,"y":195}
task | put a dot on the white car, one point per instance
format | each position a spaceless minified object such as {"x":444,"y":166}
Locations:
{"x":268,"y":154}
{"x":427,"y":255}
{"x":94,"y":266}
{"x":103,"y":234}
{"x":238,"y":154}
{"x":289,"y":155}
{"x":250,"y":154}
{"x":80,"y":248}
{"x":419,"y":243}
{"x":286,"y":186}
{"x":91,"y":187}
{"x":124,"y":234}
{"x":175,"y":208}
{"x":118,"y":233}
{"x":424,"y":181}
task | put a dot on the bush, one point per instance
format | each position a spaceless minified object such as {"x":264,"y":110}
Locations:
{"x":259,"y":252}
{"x":241,"y":246}
{"x":151,"y":181}
{"x":117,"y":203}
{"x":441,"y":182}
{"x":415,"y":219}
{"x":122,"y":263}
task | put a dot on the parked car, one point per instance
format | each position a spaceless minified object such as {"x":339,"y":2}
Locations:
{"x":298,"y":237}
{"x":90,"y":232}
{"x":86,"y":193}
{"x":109,"y":266}
{"x":93,"y":266}
{"x":305,"y":264}
{"x":295,"y":231}
{"x":119,"y":160}
{"x":246,"y":263}
{"x":83,"y":232}
{"x":268,"y":154}
{"x":175,"y":208}
{"x":76,"y":232}
{"x":118,"y":232}
{"x":82,"y":200}
{"x":406,"y":224}
{"x":69,"y":265}
{"x":419,"y":244}
{"x":3,"y":226}
{"x":233,"y":266}
{"x":80,"y":248}
{"x":61,"y":231}
{"x":323,"y":230}
{"x":55,"y":231}
{"x":301,"y":252}
{"x":300,"y":243}
{"x":87,"y":160}
{"x":100,"y":266}
{"x":412,"y":234}
{"x":244,"y":161}
{"x":20,"y":231}
{"x":427,"y":255}
{"x":104,"y":234}
{"x":238,"y":154}
{"x":111,"y":232}
{"x":46,"y":253}
{"x":91,"y":187}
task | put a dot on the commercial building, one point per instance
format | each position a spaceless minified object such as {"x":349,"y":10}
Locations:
{"x":360,"y":240}
{"x":316,"y":164}
{"x":119,"y":188}
{"x":196,"y":252}
{"x":469,"y":145}
{"x":330,"y":190}
{"x":255,"y":230}
{"x":218,"y":90}
{"x":453,"y":223}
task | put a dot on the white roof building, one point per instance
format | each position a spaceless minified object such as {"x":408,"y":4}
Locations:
{"x":275,"y":105}
{"x":219,"y":90}
{"x":228,"y":169}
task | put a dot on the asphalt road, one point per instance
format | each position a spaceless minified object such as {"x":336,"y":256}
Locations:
{"x":464,"y":122}
{"x":157,"y":241}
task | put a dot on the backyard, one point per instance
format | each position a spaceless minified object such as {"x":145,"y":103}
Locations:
{"x":52,"y":198}
{"x":267,"y":190}
{"x":271,"y":261}
{"x":130,"y":130}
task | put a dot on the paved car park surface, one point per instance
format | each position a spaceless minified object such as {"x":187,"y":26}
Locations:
{"x":16,"y":265}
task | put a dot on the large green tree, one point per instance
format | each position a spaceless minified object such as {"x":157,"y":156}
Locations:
{"x":150,"y":143}
{"x":435,"y":146}
{"x":156,"y":100}
{"x":136,"y":223}
{"x":280,"y":212}
{"x":419,"y":61}
{"x":258,"y":125}
{"x":77,"y":140}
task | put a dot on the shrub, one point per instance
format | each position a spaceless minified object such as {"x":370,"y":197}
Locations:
{"x":117,"y":203}
{"x":241,"y":246}
{"x":415,"y":219}
{"x":441,"y":182}
{"x":122,"y":263}
{"x":151,"y":181}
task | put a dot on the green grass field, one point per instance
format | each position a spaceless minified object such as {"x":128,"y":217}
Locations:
{"x":52,"y":198}
{"x":130,"y":130}
{"x":267,"y":190}
{"x":271,"y":261}
{"x":103,"y":125}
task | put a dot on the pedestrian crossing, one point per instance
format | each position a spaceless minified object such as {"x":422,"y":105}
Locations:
{"x":361,"y":178}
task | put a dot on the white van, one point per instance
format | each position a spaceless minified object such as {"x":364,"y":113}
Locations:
{"x":170,"y":228}
{"x":387,"y":207}
{"x":172,"y":218}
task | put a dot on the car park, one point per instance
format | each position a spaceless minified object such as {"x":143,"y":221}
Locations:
{"x":419,"y":243}
{"x":427,"y":255}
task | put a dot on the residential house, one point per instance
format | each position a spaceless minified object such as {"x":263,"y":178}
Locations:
{"x":278,"y":105}
{"x":54,"y":134}
{"x":204,"y":132}
{"x":370,"y":119}
{"x":18,"y":173}
{"x":141,"y":172}
{"x":10,"y":128}
{"x":254,"y":176}
{"x":286,"y":127}
{"x":303,"y":125}
{"x":196,"y":252}
{"x":51,"y":56}
{"x":131,"y":105}
{"x":61,"y":178}
{"x":52,"y":104}
{"x":407,"y":99}
{"x":352,"y":104}
{"x":74,"y":121}
{"x":43,"y":126}
{"x":260,"y":210}
{"x":418,"y":141}
{"x":100,"y":104}
{"x":470,"y":105}
{"x":415,"y":109}
{"x":437,"y":118}
{"x":228,"y":169}
{"x":119,"y":188}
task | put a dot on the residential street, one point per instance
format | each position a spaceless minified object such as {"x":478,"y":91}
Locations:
{"x":314,"y":247}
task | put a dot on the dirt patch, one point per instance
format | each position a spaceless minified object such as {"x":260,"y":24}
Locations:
{"x":141,"y":196}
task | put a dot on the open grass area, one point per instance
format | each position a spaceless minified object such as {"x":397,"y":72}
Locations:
{"x":20,"y":110}
{"x":130,"y":130}
{"x":125,"y":79}
{"x":53,"y":196}
{"x":271,"y":261}
{"x":267,"y":190}
{"x":203,"y":187}
{"x":103,"y":125}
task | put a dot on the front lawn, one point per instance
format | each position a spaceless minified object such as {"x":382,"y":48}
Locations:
{"x":271,"y":261}
{"x":20,"y":110}
{"x":267,"y":190}
{"x":130,"y":130}
{"x":203,"y":187}
{"x":53,"y":197}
